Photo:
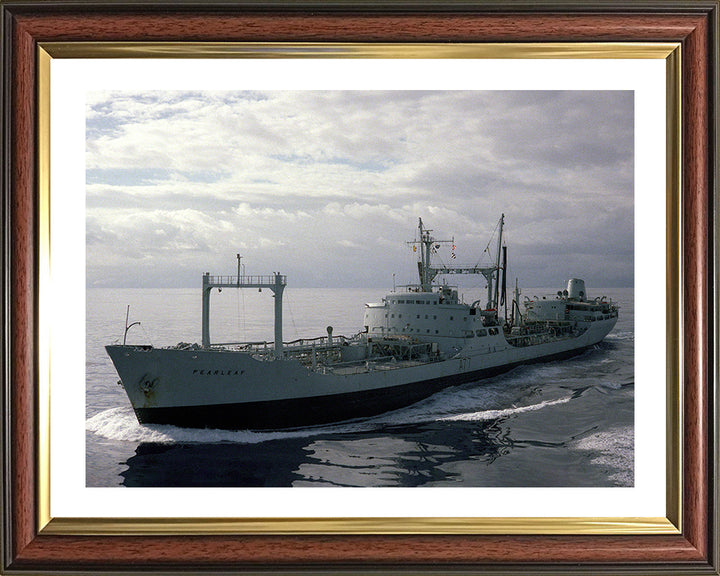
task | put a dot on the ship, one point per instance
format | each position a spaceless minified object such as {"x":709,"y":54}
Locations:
{"x":421,"y":338}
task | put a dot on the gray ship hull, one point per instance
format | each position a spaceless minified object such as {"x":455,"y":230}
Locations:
{"x":316,"y":410}
{"x":238,"y":390}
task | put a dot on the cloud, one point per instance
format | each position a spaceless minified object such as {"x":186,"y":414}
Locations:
{"x":327,"y":187}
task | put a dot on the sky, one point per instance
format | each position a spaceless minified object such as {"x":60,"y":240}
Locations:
{"x":327,"y":186}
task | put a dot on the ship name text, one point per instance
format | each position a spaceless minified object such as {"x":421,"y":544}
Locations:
{"x":199,"y":372}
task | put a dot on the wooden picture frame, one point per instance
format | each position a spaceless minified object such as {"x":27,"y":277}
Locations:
{"x":30,"y":545}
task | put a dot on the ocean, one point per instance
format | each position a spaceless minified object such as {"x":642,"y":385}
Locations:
{"x":559,"y":424}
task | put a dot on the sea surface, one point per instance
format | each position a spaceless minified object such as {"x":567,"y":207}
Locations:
{"x":560,"y":424}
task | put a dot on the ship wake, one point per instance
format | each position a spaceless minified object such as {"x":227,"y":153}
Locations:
{"x":477,"y":403}
{"x":506,"y":413}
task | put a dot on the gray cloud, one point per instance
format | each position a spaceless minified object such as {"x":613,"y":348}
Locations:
{"x":327,"y":186}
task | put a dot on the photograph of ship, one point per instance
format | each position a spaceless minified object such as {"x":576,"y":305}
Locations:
{"x":360,"y":288}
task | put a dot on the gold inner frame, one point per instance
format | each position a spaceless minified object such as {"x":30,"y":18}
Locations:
{"x":671,"y":524}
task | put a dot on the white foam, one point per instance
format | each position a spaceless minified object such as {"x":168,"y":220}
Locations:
{"x":614,"y":449}
{"x":495,"y":414}
{"x":121,"y":424}
{"x":621,"y":335}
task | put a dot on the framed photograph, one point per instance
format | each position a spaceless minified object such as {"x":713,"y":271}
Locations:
{"x":348,"y":287}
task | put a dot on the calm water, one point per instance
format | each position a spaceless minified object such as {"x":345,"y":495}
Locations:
{"x":559,"y":424}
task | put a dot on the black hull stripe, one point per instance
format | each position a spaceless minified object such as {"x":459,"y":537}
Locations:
{"x":298,"y":412}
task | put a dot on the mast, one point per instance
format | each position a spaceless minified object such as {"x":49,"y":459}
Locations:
{"x":427,"y":272}
{"x":497,"y":264}
{"x":424,"y":256}
{"x":492,"y":273}
{"x":516,"y":317}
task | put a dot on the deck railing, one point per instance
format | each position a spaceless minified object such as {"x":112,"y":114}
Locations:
{"x":320,"y":343}
{"x":244,"y":280}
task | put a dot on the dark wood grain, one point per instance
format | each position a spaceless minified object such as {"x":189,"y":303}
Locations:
{"x":690,"y":552}
{"x":360,"y":28}
{"x":221,"y":552}
{"x":23,"y":315}
{"x":696,"y":196}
